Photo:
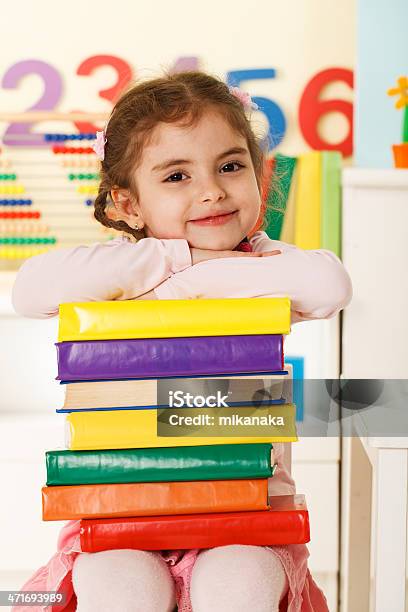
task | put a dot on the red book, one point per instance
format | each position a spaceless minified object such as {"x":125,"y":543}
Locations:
{"x":286,"y":522}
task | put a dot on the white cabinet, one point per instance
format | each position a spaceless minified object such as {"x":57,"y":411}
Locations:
{"x":375,"y":253}
{"x":375,"y":345}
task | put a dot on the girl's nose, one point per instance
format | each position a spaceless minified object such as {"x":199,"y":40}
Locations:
{"x":211,"y":193}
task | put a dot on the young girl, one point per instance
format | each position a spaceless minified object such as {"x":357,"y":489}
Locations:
{"x":181,"y":175}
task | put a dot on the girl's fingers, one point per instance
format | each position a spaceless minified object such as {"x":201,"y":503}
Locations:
{"x":223,"y":254}
{"x":270,"y":253}
{"x":245,"y":254}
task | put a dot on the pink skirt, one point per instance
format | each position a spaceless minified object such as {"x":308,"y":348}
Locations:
{"x":303,"y":594}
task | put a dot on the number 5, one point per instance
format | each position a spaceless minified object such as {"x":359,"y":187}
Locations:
{"x":276,"y":118}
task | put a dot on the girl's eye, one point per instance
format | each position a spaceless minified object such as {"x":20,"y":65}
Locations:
{"x":230,"y":164}
{"x":174,"y":178}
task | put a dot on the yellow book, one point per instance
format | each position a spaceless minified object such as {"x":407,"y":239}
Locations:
{"x":308,"y":196}
{"x":128,"y":319}
{"x":139,"y":428}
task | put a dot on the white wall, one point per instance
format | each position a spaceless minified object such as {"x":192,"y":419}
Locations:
{"x":297,"y":37}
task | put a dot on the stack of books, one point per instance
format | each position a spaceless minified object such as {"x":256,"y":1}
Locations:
{"x":139,"y":479}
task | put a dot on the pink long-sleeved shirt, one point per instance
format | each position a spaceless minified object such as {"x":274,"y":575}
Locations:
{"x":315,"y":280}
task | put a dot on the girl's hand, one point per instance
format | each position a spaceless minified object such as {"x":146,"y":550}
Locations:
{"x":198,"y":255}
{"x":150,"y":295}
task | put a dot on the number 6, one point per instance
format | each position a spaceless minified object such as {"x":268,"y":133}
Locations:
{"x":311,"y":109}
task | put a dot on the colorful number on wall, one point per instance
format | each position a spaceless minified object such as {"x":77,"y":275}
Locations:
{"x":124,"y":76}
{"x":274,"y":114}
{"x":20,"y":134}
{"x":311,"y":107}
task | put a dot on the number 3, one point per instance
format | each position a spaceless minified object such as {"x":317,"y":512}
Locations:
{"x":124,"y":76}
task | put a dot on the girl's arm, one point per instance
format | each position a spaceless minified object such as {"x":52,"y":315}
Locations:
{"x":316,"y":281}
{"x":115,"y":270}
{"x":338,"y":286}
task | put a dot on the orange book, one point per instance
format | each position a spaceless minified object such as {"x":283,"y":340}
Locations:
{"x":153,"y":498}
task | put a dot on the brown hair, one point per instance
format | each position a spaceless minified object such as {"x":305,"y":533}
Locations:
{"x":180,"y":97}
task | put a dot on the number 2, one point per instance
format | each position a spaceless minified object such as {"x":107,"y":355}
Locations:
{"x":20,"y":134}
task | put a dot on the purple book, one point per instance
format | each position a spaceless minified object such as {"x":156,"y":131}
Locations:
{"x":169,"y":357}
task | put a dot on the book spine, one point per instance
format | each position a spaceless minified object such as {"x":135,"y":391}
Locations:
{"x":98,"y":430}
{"x":115,"y":320}
{"x":275,"y":528}
{"x":308,"y":201}
{"x":278,"y":195}
{"x":173,"y":357}
{"x":151,"y":499}
{"x":218,"y":462}
{"x":331,"y":202}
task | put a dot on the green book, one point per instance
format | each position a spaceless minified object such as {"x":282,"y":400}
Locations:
{"x":213,"y":462}
{"x":330,"y":226}
{"x":278,"y":194}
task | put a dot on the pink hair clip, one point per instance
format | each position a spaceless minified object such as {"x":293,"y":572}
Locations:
{"x":244,"y":98}
{"x":99,"y":145}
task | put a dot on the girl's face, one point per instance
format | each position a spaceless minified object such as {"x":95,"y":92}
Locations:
{"x":197,"y":183}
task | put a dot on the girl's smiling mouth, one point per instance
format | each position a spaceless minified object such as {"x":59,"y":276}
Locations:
{"x":215,"y":220}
